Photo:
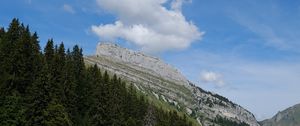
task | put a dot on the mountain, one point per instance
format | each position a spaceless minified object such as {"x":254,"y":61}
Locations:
{"x":163,"y":82}
{"x":56,"y":88}
{"x":287,"y":117}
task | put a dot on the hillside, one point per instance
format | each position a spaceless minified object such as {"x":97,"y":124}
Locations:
{"x":54,"y":87}
{"x":117,"y":86}
{"x":287,"y":117}
{"x":155,"y":78}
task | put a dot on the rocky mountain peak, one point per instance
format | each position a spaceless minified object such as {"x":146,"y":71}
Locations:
{"x":140,"y":59}
{"x":166,"y":84}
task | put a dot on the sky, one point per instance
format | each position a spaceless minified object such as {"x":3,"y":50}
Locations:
{"x":245,"y":50}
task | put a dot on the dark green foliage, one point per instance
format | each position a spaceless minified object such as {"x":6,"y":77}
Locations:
{"x":49,"y":52}
{"x":12,"y":111}
{"x":2,"y":31}
{"x":225,"y":122}
{"x":15,"y":54}
{"x":38,"y":99}
{"x":171,"y":118}
{"x":130,"y":122}
{"x":56,"y":115}
{"x":217,"y":96}
{"x":56,"y":88}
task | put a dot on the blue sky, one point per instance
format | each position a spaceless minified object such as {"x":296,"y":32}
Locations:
{"x":246,"y":50}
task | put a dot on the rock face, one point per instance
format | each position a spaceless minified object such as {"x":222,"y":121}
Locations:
{"x":152,"y":64}
{"x":155,"y":78}
{"x":288,"y":117}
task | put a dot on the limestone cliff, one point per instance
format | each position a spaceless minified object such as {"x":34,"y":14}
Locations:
{"x":154,"y":77}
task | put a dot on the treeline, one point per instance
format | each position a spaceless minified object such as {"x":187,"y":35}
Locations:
{"x":226,"y":122}
{"x":54,"y":87}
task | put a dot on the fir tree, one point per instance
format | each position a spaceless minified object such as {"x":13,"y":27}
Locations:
{"x":49,"y":53}
{"x":80,"y":89}
{"x":7,"y":54}
{"x":27,"y":61}
{"x":96,"y":111}
{"x":40,"y":98}
{"x":69,"y":86}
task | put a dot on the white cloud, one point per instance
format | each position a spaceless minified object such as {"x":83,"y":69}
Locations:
{"x":177,"y":4}
{"x":148,"y":24}
{"x":68,"y":8}
{"x":213,"y":78}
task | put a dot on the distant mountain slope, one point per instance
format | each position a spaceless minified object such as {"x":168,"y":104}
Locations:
{"x":154,"y":77}
{"x":288,"y":117}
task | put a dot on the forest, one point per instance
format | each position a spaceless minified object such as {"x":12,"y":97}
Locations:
{"x":54,"y":87}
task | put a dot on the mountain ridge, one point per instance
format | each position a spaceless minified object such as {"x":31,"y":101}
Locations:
{"x":287,"y":117}
{"x":140,"y":59}
{"x":168,"y":84}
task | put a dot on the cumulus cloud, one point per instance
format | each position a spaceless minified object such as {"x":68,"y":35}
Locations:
{"x":213,"y":78}
{"x":148,"y":24}
{"x":177,"y":4}
{"x":68,"y":8}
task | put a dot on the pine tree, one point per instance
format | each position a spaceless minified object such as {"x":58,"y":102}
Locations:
{"x":55,"y":89}
{"x":19,"y":65}
{"x":45,"y":109}
{"x":49,"y":53}
{"x":94,"y":87}
{"x":81,"y":89}
{"x":7,"y":62}
{"x":96,"y":110}
{"x":116,"y":114}
{"x":69,"y":86}
{"x":35,"y":42}
{"x":58,"y":73}
{"x":2,"y":70}
{"x":40,"y":98}
{"x":27,"y":61}
{"x":36,"y":56}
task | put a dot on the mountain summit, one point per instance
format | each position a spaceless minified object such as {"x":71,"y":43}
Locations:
{"x":151,"y":64}
{"x":163,"y":82}
{"x":287,"y":117}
